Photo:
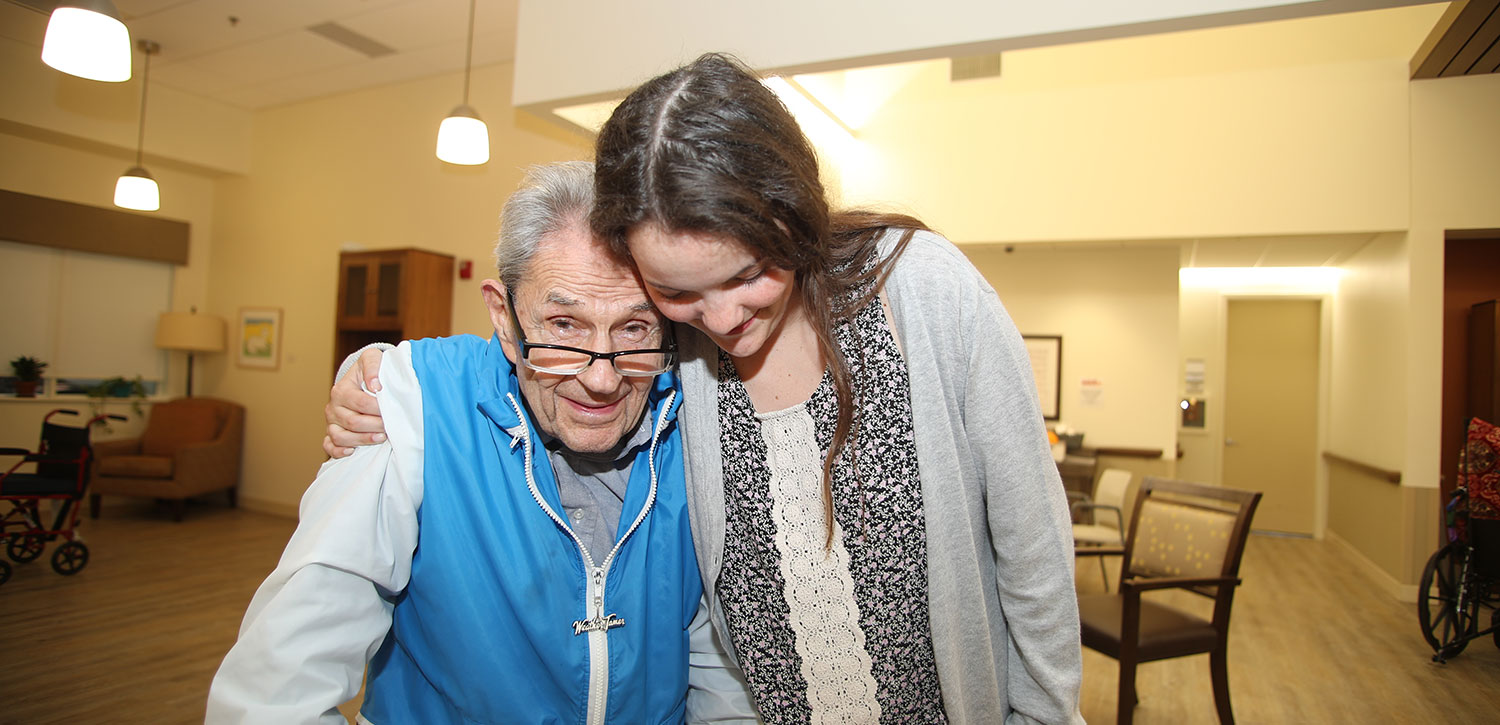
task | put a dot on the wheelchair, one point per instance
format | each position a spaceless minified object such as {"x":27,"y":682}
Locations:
{"x":1462,"y":578}
{"x":61,"y":475}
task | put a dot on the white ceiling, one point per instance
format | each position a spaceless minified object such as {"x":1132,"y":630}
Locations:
{"x":261,"y":53}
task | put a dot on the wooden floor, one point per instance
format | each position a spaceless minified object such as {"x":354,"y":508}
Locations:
{"x":136,"y":636}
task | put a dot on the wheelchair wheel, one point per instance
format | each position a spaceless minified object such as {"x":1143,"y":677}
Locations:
{"x":70,"y":558}
{"x":1445,"y":625}
{"x":22,"y":549}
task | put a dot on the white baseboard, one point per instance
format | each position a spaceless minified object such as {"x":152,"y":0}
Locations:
{"x":1406,"y":593}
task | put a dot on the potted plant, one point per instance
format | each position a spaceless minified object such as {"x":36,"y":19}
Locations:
{"x":117,"y":387}
{"x":28,"y":372}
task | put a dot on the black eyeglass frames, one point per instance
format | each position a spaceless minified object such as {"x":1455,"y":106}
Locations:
{"x":564,"y":360}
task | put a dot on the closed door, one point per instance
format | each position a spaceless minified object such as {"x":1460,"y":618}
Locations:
{"x":1271,"y":409}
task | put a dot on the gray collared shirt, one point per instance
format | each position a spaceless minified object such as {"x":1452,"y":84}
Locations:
{"x":592,"y":487}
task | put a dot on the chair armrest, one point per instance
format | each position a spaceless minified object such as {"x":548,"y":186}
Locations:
{"x":1091,"y":506}
{"x":117,"y":447}
{"x":14,"y":452}
{"x":1098,"y":551}
{"x":1143,"y":584}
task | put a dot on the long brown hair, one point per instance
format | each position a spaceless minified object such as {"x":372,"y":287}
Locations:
{"x":709,"y":148}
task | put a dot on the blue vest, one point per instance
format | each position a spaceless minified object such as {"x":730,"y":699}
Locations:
{"x":495,"y":624}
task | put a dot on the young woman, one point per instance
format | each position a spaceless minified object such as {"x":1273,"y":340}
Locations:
{"x":879,"y":523}
{"x":880,"y":527}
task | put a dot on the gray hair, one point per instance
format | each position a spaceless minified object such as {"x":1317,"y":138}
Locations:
{"x":551,"y":197}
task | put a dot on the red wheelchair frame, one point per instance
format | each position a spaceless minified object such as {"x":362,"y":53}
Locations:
{"x":62,"y":474}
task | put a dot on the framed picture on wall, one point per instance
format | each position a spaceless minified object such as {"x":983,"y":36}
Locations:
{"x":1046,"y":368}
{"x":258,"y":340}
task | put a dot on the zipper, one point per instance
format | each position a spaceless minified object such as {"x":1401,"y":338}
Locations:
{"x":598,"y":648}
{"x":598,"y":624}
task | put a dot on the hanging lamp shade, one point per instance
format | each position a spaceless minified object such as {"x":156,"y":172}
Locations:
{"x":137,"y":190}
{"x":86,"y":38}
{"x":463,"y":138}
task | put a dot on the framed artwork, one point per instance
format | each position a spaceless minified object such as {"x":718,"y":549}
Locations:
{"x":258,"y":340}
{"x":1046,"y":369}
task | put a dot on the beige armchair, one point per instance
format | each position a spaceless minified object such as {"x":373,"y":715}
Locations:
{"x":190,"y":446}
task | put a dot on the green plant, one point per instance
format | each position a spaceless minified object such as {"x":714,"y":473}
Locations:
{"x":118,"y":387}
{"x":28,"y":369}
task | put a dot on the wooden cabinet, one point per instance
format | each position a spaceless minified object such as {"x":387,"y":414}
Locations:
{"x":389,"y":296}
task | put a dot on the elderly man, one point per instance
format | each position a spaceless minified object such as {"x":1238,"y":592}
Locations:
{"x":518,"y":549}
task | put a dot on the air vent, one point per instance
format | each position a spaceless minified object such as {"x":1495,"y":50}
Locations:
{"x":970,"y":67}
{"x":354,"y":41}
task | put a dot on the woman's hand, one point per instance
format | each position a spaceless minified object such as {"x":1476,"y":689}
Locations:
{"x":353,"y":415}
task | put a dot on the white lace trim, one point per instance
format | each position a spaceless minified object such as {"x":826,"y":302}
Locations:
{"x":819,"y":586}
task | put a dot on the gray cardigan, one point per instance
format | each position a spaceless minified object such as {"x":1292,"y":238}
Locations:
{"x":999,"y":541}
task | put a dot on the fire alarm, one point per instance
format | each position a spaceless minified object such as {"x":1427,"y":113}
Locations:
{"x":465,"y":269}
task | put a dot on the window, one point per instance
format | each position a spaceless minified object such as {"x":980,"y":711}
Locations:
{"x":89,"y":316}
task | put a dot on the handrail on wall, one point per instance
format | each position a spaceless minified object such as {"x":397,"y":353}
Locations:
{"x":1376,"y":471}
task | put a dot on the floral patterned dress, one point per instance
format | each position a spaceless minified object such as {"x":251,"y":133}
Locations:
{"x":830,"y":633}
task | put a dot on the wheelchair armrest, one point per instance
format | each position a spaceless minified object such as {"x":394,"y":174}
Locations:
{"x":14,"y":452}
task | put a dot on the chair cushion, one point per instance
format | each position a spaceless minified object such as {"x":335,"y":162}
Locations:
{"x":1164,"y":631}
{"x":136,"y":466}
{"x":180,"y":422}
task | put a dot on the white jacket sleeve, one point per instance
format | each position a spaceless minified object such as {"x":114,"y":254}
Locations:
{"x":322,"y":613}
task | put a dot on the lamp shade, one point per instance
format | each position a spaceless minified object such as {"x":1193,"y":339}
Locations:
{"x":136,"y":189}
{"x":463,"y":139}
{"x":86,"y":38}
{"x":190,"y":332}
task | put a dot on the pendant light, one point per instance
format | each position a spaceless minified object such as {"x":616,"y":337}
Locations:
{"x":86,"y":38}
{"x":136,"y":189}
{"x":463,"y":138}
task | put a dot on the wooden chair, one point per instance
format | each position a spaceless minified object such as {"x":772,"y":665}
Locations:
{"x":1183,"y":536}
{"x":1107,"y":511}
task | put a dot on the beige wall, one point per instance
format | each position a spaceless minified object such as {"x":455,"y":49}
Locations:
{"x":355,"y":170}
{"x":1201,"y":337}
{"x":1055,"y":150}
{"x":1116,"y":311}
{"x":1370,"y":355}
{"x":1454,"y":186}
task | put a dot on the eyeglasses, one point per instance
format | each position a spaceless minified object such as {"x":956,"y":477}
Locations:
{"x":564,"y":360}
